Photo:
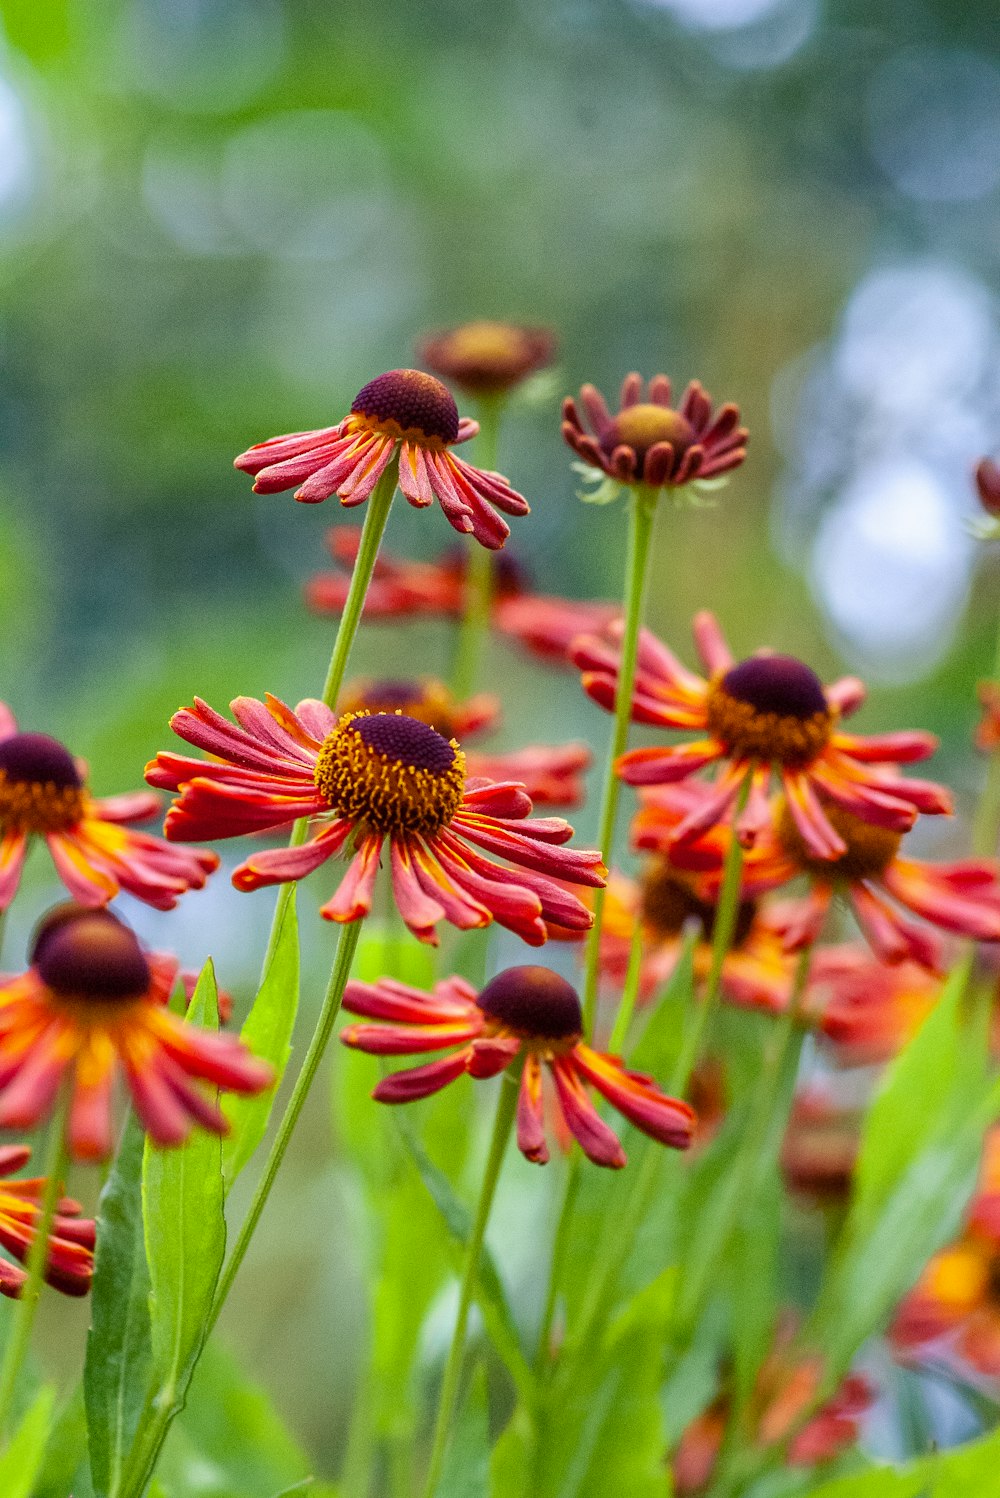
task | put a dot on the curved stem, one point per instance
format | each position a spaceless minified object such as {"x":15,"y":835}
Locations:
{"x":642,"y":516}
{"x":377,"y":508}
{"x":506,"y":1109}
{"x":20,"y":1338}
{"x":479,"y":568}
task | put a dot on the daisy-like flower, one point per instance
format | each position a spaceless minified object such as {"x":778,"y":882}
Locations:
{"x":769,"y":714}
{"x":43,"y":793}
{"x":407,"y":412}
{"x":375,"y":781}
{"x":486,"y":358}
{"x":551,"y":775}
{"x":93,"y":1004}
{"x":820,"y":1147}
{"x":648,"y":440}
{"x":527,"y":1014}
{"x":69,"y":1263}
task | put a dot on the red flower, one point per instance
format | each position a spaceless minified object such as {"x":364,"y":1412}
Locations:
{"x":487,"y":358}
{"x":91,"y":1003}
{"x":771,"y":713}
{"x":404,"y":411}
{"x":69,"y":1263}
{"x":43,"y":794}
{"x":527,"y":1013}
{"x":371,"y":780}
{"x":651,"y":442}
{"x":869,"y":1010}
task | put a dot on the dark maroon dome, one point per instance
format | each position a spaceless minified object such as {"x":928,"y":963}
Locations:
{"x":55,"y":919}
{"x":534,"y":1001}
{"x":406,"y":740}
{"x":36,"y":759}
{"x":776,"y":684}
{"x":412,"y":399}
{"x":92,"y":956}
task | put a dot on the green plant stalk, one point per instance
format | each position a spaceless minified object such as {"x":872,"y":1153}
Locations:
{"x":630,"y":993}
{"x":560,"y":1248}
{"x":377,"y":514}
{"x":641,"y":520}
{"x":20,"y":1338}
{"x":987,"y":819}
{"x":503,"y":1122}
{"x":479,"y":568}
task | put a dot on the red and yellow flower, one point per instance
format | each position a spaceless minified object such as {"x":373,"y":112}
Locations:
{"x":767,"y":715}
{"x":69,"y":1264}
{"x":43,"y":793}
{"x":524,"y":1014}
{"x":404,"y":412}
{"x":375,"y":781}
{"x":869,"y":1010}
{"x":93,"y":1004}
{"x":487,"y":359}
{"x":648,"y":440}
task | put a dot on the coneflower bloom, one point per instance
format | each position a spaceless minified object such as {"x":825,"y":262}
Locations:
{"x":648,"y":440}
{"x":768,"y":714}
{"x":374,"y":782}
{"x":43,"y":793}
{"x":69,"y":1263}
{"x":551,"y":774}
{"x":485,"y":358}
{"x":407,"y":412}
{"x":92,"y":1004}
{"x":524,"y":1014}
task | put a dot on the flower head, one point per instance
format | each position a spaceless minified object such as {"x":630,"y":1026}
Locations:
{"x":94,"y":1003}
{"x":525,"y":1013}
{"x":988,"y":486}
{"x":69,"y":1263}
{"x":869,"y":1010}
{"x":820,"y":1148}
{"x":404,"y":412}
{"x":649,"y":441}
{"x":43,"y":793}
{"x":487,"y":358}
{"x":375,"y":781}
{"x":767,"y":715}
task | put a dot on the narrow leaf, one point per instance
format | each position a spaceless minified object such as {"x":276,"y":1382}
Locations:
{"x":466,"y":1471}
{"x":22,"y":1460}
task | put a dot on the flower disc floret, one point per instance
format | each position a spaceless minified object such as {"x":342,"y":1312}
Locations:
{"x":870,"y":849}
{"x":640,"y":427}
{"x":487,"y":358}
{"x":535,"y":1003}
{"x":668,"y":900}
{"x":391,"y":773}
{"x":41,"y":789}
{"x":93,"y":957}
{"x":408,"y":403}
{"x":771,"y":707}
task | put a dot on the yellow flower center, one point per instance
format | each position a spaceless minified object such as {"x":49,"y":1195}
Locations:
{"x":406,"y":403}
{"x":771,"y":708}
{"x":643,"y":425}
{"x":429,"y":701}
{"x":669,"y":900}
{"x":40,"y":786}
{"x":870,"y":849}
{"x":391,"y":773}
{"x":536,"y":1005}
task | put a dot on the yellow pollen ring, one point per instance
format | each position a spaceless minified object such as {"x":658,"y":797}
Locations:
{"x":773,"y":738}
{"x":36,"y":806}
{"x":546,"y":1048}
{"x":384,"y":793}
{"x":388,"y":427}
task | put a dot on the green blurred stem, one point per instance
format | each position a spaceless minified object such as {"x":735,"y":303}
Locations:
{"x":560,"y":1247}
{"x":479,"y":568}
{"x":376,"y":516}
{"x":630,"y":993}
{"x":506,"y":1110}
{"x":987,"y":819}
{"x":27,"y":1305}
{"x":641,"y":518}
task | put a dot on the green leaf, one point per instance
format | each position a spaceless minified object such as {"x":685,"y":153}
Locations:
{"x":267,"y":1031}
{"x":466,"y":1471}
{"x":117,"y":1371}
{"x":64,"y":1468}
{"x":185,"y":1231}
{"x":660,"y":1043}
{"x":22,"y":1459}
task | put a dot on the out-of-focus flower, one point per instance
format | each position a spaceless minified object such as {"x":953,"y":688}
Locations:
{"x":988,"y":728}
{"x":43,"y":793}
{"x":544,"y":626}
{"x":649,"y":441}
{"x":69,"y":1264}
{"x":551,"y":774}
{"x":820,"y":1147}
{"x":988,"y":486}
{"x":372,"y":779}
{"x":953,"y":1311}
{"x":404,"y":411}
{"x":769,"y":714}
{"x":526,"y":1014}
{"x":785,"y":1387}
{"x":487,"y":358}
{"x":91,"y":1004}
{"x":869,"y":1010}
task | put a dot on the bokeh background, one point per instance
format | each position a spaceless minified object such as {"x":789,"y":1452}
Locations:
{"x":219,"y":218}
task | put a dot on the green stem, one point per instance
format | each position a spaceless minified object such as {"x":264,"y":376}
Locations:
{"x":641,"y":518}
{"x":20,"y":1337}
{"x":506,"y":1109}
{"x":479,"y":570}
{"x":377,"y":513}
{"x":560,"y":1248}
{"x":630,"y":993}
{"x":987,"y":819}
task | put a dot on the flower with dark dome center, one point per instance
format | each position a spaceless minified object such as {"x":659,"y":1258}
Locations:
{"x":762,"y":717}
{"x":373,"y":783}
{"x":486,"y":358}
{"x":404,"y":413}
{"x":649,"y":441}
{"x":94,"y":1004}
{"x":69,"y":1265}
{"x":525,"y":1015}
{"x":43,"y":794}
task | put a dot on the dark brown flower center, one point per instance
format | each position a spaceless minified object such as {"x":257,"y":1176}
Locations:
{"x":407,"y":402}
{"x":669,"y":901}
{"x":391,"y":773}
{"x":641,"y":426}
{"x":92,"y":956}
{"x":771,"y":707}
{"x":534,"y":1002}
{"x":870,"y":849}
{"x":430,"y":701}
{"x":55,"y":919}
{"x":40,"y":785}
